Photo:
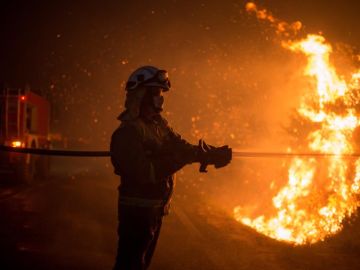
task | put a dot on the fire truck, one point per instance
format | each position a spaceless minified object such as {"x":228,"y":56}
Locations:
{"x":24,"y":122}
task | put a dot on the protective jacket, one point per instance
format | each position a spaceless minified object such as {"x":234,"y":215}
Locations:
{"x":145,"y":154}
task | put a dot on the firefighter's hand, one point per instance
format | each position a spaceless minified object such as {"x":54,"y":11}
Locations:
{"x":211,"y":155}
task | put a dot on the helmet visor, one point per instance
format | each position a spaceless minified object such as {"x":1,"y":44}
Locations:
{"x":161,"y":79}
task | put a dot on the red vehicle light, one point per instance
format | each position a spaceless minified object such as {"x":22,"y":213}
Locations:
{"x":16,"y":144}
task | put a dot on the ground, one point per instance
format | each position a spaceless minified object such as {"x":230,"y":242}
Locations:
{"x":69,"y":222}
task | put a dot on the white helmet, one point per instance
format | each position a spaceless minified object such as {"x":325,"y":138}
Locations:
{"x":148,"y":76}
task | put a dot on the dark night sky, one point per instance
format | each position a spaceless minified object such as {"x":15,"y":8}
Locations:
{"x":80,"y":52}
{"x":40,"y":38}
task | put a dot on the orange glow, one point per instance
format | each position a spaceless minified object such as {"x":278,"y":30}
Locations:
{"x":22,"y":98}
{"x":313,"y":205}
{"x":250,"y":7}
{"x":16,"y":144}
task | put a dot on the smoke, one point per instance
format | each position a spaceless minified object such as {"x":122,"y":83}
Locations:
{"x":258,"y":113}
{"x":232,"y":83}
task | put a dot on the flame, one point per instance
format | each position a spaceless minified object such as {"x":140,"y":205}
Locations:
{"x":306,"y":211}
{"x":281,"y":27}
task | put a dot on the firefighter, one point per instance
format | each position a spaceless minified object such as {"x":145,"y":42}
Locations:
{"x":145,"y":153}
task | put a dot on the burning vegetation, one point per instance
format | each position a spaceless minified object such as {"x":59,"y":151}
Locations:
{"x":320,"y":193}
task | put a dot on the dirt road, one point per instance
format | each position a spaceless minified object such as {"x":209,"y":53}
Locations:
{"x":69,"y":222}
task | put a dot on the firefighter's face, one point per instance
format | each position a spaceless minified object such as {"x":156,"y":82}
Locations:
{"x":153,"y":100}
{"x":157,"y":98}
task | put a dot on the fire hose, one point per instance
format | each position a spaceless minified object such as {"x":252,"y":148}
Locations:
{"x":238,"y":154}
{"x":53,"y":152}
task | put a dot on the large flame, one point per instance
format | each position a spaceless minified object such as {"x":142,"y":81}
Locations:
{"x":306,"y":211}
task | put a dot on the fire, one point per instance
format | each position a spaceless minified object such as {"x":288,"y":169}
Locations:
{"x":306,"y":211}
{"x":281,"y":27}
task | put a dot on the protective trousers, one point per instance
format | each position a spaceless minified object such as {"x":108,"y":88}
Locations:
{"x":138,"y":232}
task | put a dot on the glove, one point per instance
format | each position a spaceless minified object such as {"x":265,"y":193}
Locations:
{"x":211,"y":155}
